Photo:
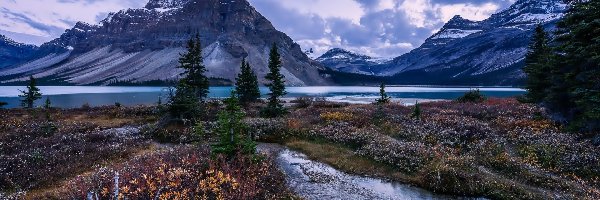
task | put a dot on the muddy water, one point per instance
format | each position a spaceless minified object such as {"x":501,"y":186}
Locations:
{"x":315,"y":180}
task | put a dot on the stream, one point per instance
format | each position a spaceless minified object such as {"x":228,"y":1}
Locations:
{"x":315,"y":180}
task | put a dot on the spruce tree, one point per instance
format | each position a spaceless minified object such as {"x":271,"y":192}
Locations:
{"x":276,"y":85}
{"x":193,"y":69}
{"x":417,"y":111}
{"x":47,"y":103}
{"x":232,"y":131}
{"x":246,"y":84}
{"x":575,"y":75}
{"x":383,"y":97}
{"x":192,"y":88}
{"x":537,"y":66}
{"x":31,"y":94}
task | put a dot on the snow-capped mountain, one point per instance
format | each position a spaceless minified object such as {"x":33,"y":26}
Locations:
{"x":456,"y":28}
{"x":345,"y":61}
{"x":12,"y":52}
{"x":144,"y":44}
{"x":464,"y":52}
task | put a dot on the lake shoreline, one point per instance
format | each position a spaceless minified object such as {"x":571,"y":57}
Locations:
{"x":76,"y":96}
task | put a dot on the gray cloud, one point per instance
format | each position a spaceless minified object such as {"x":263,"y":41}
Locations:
{"x":379,"y":32}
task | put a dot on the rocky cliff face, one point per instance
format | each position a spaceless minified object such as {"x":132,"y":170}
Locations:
{"x":464,"y":52}
{"x":12,"y":52}
{"x":144,"y":44}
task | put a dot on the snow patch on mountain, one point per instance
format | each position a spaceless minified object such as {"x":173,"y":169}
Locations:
{"x":454,"y":33}
{"x":531,"y":18}
{"x":165,"y":4}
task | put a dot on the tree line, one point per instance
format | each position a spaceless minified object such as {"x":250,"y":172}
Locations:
{"x":563,"y":67}
{"x":189,"y":98}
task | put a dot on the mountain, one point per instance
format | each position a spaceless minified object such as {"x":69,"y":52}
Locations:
{"x":345,"y":61}
{"x":464,"y":52}
{"x":12,"y":52}
{"x":143,"y":44}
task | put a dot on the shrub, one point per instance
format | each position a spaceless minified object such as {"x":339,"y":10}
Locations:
{"x":49,"y":128}
{"x":336,"y":116}
{"x":303,"y":102}
{"x":2,"y":104}
{"x":86,"y":106}
{"x":473,"y":96}
{"x":267,"y":129}
{"x":117,"y":104}
{"x":183,"y":173}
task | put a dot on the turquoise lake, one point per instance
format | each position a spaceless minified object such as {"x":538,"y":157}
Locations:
{"x":75,"y":96}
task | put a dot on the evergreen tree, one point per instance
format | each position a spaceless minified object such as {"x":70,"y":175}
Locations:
{"x":417,"y":111}
{"x":274,"y":107}
{"x":47,"y":104}
{"x":31,"y":94}
{"x":575,"y":75}
{"x":193,"y":67}
{"x":192,"y":88}
{"x":246,"y":84}
{"x":383,"y":97}
{"x":232,"y":131}
{"x":537,"y":66}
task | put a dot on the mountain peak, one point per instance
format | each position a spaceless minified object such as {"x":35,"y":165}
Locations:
{"x":166,"y":4}
{"x":144,"y":44}
{"x":528,"y":12}
{"x":343,"y":54}
{"x":457,"y":18}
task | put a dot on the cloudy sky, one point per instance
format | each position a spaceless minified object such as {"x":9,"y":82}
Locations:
{"x":384,"y":28}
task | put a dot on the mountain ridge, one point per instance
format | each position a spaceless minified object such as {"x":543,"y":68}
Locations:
{"x":465,"y":52}
{"x":12,"y":52}
{"x":143,"y":44}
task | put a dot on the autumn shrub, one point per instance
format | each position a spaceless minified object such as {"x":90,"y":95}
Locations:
{"x":336,"y":116}
{"x":268,"y":129}
{"x":183,"y":173}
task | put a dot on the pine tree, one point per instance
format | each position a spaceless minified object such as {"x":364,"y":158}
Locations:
{"x":233,"y":137}
{"x":47,"y":104}
{"x":193,"y":69}
{"x":575,"y":75}
{"x":277,"y":88}
{"x":537,"y":65}
{"x":383,"y":97}
{"x":31,"y":94}
{"x":247,"y":84}
{"x":192,"y":88}
{"x":417,"y":111}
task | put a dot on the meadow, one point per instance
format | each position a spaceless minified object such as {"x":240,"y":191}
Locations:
{"x":498,"y":149}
